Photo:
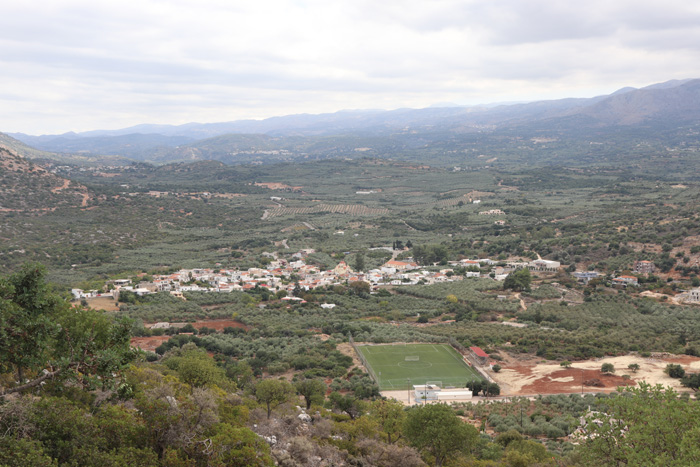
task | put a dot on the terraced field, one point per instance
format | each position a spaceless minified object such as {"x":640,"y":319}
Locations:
{"x":350,"y":209}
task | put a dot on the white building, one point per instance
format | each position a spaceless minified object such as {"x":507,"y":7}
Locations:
{"x":544,"y":265}
{"x":432,"y":392}
{"x":694,"y":295}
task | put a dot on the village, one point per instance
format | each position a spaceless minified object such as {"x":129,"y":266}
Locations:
{"x":282,"y":276}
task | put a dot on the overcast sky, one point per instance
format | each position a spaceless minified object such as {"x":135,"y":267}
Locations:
{"x":75,"y":65}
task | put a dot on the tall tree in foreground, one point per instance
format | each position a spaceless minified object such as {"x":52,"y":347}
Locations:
{"x":273,"y":392}
{"x":390,"y":416}
{"x":28,"y":314}
{"x":42,"y":337}
{"x":435,"y":429}
{"x":313,"y":390}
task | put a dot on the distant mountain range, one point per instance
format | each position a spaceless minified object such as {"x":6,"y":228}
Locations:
{"x":664,"y":111}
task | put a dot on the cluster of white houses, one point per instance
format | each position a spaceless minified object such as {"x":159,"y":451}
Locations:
{"x":283,"y":275}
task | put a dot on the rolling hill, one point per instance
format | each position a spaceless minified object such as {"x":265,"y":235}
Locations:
{"x":24,"y":186}
{"x":664,"y":115}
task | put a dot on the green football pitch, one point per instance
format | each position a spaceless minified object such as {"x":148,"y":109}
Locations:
{"x":396,"y":365}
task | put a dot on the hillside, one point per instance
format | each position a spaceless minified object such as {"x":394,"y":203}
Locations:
{"x":25,"y":186}
{"x":20,"y":148}
{"x":30,"y":148}
{"x":675,"y":105}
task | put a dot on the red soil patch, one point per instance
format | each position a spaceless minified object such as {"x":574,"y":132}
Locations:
{"x":681,"y":359}
{"x":569,"y":380}
{"x":219,"y":324}
{"x":150,"y":343}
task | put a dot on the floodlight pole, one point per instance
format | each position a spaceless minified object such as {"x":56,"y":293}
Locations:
{"x":408,"y":390}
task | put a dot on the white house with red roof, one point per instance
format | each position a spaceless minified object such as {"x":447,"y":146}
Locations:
{"x":626,"y":280}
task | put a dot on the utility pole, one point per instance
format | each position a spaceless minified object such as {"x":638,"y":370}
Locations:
{"x":408,"y":388}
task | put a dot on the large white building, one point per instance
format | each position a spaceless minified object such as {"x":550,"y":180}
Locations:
{"x":432,"y":393}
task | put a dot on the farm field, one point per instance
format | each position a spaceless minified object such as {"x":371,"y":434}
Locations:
{"x":352,"y":209}
{"x":395,"y":364}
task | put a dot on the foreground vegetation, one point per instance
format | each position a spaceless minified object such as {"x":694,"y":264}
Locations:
{"x":78,"y":395}
{"x":75,"y":393}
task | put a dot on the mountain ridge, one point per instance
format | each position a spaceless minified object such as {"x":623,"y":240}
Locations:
{"x":278,"y":125}
{"x":654,"y":110}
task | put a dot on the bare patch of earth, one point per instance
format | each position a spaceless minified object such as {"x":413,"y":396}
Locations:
{"x":219,"y":324}
{"x":148,"y":344}
{"x":103,"y":303}
{"x":530,"y":376}
{"x":346,"y":349}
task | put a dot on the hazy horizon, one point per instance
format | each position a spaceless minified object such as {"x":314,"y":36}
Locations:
{"x":80,"y":66}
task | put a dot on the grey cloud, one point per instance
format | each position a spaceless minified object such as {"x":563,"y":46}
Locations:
{"x":174,"y":61}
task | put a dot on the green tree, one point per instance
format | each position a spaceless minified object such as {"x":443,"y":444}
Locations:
{"x":691,"y":380}
{"x":607,"y":368}
{"x":23,"y":452}
{"x":645,"y":425}
{"x":674,"y":370}
{"x":194,"y":366}
{"x":491,"y":389}
{"x":390,"y":416}
{"x":435,"y":429}
{"x":41,"y":333}
{"x":359,"y":265}
{"x":199,"y":372}
{"x":349,"y":404}
{"x":233,"y":446}
{"x":634,"y":367}
{"x":518,"y":280}
{"x":565,"y":364}
{"x":428,"y":254}
{"x":241,"y":373}
{"x":28,"y":312}
{"x":525,"y":452}
{"x":359,"y":287}
{"x":273,"y":392}
{"x":313,"y":390}
{"x":476,"y":386}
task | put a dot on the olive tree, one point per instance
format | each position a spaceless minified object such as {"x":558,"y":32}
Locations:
{"x":435,"y":429}
{"x":273,"y":392}
{"x":312,"y":390}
